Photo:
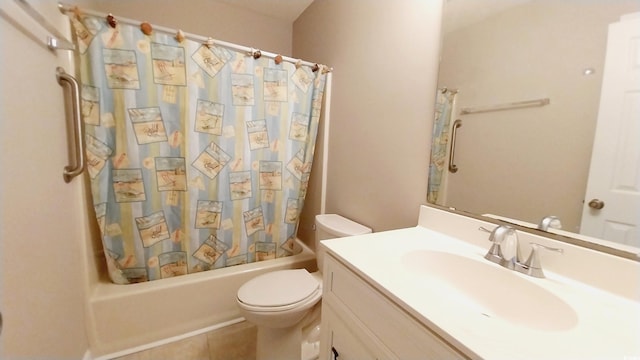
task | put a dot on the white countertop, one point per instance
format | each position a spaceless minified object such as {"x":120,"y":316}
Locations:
{"x":607,"y":326}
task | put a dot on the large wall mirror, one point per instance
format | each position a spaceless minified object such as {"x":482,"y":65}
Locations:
{"x":525,"y":78}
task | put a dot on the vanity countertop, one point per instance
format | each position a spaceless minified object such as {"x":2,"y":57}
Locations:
{"x":600,"y":324}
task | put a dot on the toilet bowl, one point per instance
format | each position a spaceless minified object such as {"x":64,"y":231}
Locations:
{"x":279,"y":298}
{"x":281,"y":303}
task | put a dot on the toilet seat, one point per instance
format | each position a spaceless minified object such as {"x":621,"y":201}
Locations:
{"x":279,"y":291}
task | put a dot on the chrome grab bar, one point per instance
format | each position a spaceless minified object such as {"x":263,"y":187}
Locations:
{"x":452,"y":150}
{"x":71,"y":171}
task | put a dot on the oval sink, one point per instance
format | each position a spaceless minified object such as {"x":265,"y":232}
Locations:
{"x":494,"y":291}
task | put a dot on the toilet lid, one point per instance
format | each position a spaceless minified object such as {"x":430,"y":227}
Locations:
{"x":278,"y":288}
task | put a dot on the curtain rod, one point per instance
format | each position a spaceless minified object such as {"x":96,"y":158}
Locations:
{"x":66,"y":8}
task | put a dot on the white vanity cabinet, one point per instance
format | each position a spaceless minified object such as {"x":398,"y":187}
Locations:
{"x":426,"y":292}
{"x":360,"y":322}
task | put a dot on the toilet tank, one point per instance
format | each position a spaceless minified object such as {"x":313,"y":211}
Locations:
{"x":331,"y":226}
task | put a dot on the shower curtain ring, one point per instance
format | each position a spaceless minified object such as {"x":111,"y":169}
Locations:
{"x":76,"y":12}
{"x":146,"y":28}
{"x":112,"y":21}
{"x":255,"y":53}
{"x":180,"y":36}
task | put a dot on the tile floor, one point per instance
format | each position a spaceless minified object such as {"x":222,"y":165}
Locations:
{"x":235,"y":342}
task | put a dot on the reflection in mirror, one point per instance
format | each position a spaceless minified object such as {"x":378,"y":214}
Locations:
{"x":525,"y":79}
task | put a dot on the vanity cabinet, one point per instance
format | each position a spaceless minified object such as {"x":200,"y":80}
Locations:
{"x":360,"y":322}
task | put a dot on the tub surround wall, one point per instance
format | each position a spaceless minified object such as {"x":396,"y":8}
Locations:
{"x":42,"y":233}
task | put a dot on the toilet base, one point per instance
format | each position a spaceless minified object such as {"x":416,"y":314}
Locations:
{"x":298,"y":342}
{"x":283,"y":344}
{"x":310,"y":350}
{"x":311,"y":336}
{"x":279,"y":344}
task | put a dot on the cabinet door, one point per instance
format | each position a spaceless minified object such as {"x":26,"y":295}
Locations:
{"x":343,"y":342}
{"x":363,"y":308}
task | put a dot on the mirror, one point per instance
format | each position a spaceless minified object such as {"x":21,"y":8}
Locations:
{"x":524,"y":77}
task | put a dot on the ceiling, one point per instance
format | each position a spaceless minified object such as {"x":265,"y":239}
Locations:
{"x":288,"y":10}
{"x":459,"y":12}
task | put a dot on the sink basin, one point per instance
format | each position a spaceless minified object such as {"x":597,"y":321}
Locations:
{"x":491,"y":290}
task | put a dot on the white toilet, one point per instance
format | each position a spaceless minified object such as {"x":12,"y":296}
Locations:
{"x":280,"y":303}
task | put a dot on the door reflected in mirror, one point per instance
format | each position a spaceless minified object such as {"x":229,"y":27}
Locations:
{"x":526,"y":80}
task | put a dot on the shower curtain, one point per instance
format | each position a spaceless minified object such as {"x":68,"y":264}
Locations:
{"x":440,"y":141}
{"x":199,"y":155}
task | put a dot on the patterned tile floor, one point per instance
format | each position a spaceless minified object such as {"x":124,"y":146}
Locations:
{"x":235,"y":342}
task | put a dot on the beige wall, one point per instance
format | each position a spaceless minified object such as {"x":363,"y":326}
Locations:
{"x":528,"y":163}
{"x":384,"y":55}
{"x":207,"y":18}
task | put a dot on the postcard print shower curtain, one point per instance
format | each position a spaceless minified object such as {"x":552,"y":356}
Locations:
{"x":440,"y":142}
{"x":199,"y":156}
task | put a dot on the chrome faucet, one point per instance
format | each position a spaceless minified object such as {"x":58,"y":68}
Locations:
{"x":549,"y":222}
{"x":505,"y":251}
{"x":532,"y":266}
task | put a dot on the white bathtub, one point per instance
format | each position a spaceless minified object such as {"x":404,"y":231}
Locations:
{"x":122,"y":317}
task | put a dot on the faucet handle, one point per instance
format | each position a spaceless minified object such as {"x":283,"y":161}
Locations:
{"x":550,"y":222}
{"x":498,"y":233}
{"x":482,"y":228}
{"x":532,"y":266}
{"x":496,"y":236}
{"x":493,"y":254}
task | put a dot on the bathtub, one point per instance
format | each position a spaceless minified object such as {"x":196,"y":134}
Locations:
{"x":125,"y":317}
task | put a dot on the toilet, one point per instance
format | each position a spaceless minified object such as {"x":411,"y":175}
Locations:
{"x":281,"y":303}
